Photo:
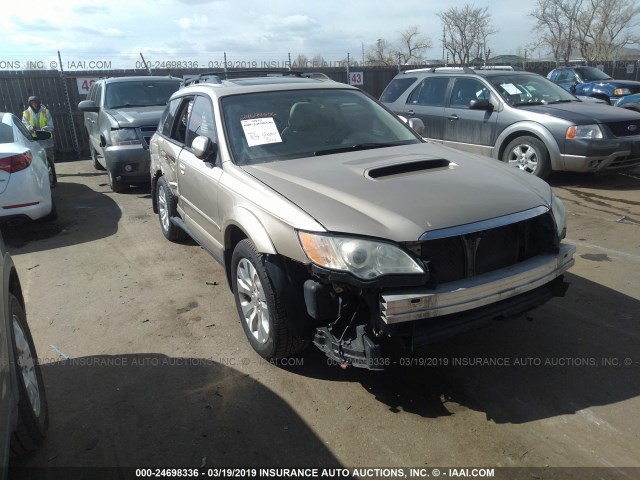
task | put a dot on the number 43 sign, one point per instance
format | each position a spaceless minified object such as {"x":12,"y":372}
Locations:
{"x":356,"y":78}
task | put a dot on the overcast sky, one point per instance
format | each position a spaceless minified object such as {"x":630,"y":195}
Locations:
{"x":247,"y":30}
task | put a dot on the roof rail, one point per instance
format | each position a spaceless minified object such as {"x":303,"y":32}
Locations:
{"x":441,"y":70}
{"x":208,"y":77}
{"x":258,"y":72}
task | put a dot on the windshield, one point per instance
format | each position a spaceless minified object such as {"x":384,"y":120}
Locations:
{"x":142,"y":93}
{"x":590,"y":74}
{"x":519,"y":90}
{"x":278,"y":125}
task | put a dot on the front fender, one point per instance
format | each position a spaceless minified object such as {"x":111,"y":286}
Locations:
{"x":530,"y":128}
{"x":252,"y":228}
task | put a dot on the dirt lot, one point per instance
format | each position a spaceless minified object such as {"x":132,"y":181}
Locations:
{"x":160,"y":373}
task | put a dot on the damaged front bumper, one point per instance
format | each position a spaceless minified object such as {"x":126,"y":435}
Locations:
{"x":422,"y":315}
{"x":413,"y":304}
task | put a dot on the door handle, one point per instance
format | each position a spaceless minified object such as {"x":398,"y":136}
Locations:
{"x":453,"y":117}
{"x":411,"y":113}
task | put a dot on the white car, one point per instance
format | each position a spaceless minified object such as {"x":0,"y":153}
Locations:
{"x":25,"y":182}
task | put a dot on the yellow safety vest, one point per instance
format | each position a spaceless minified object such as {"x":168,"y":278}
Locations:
{"x":44,"y":113}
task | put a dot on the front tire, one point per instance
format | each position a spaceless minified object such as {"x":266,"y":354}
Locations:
{"x":94,"y":156}
{"x":116,"y":186}
{"x":167,"y":204}
{"x":33,"y":415}
{"x":260,"y":305}
{"x":529,"y":155}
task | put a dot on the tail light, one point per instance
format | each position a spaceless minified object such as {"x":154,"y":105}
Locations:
{"x":15,"y":163}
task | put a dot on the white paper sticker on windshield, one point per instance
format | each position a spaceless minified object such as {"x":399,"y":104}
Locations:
{"x":511,"y":89}
{"x":260,"y":131}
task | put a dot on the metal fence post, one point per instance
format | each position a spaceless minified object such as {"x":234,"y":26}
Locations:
{"x":74,"y":134}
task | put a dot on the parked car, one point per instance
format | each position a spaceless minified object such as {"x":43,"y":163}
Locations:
{"x":25,"y":190}
{"x":337,"y":224}
{"x":631,"y":102}
{"x":592,"y":82}
{"x":120,"y":115}
{"x":520,"y":118}
{"x":24,"y":416}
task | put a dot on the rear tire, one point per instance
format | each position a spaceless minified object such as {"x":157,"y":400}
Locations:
{"x":260,"y":304}
{"x":167,"y":208}
{"x":529,"y":155}
{"x":33,"y":415}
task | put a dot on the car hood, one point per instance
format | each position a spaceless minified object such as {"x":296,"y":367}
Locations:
{"x":340,"y":193}
{"x":136,"y":116}
{"x":583,"y":113}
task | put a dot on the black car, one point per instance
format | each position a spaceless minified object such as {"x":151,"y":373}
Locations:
{"x":592,"y":82}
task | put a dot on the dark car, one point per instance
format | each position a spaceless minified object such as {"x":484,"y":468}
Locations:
{"x":120,"y":116}
{"x":518,"y":117}
{"x":630,"y":102}
{"x":592,"y":82}
{"x":24,"y":416}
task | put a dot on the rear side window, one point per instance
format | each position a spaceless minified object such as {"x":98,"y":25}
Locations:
{"x":6,"y":133}
{"x":396,"y":88}
{"x":430,"y":92}
{"x":167,"y":117}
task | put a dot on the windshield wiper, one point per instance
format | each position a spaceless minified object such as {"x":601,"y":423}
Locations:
{"x":357,"y":147}
{"x":563,"y":101}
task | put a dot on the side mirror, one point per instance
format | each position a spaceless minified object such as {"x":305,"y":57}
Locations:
{"x":480,"y":104}
{"x":417,"y":125}
{"x":42,"y":135}
{"x":88,"y":106}
{"x":204,"y":149}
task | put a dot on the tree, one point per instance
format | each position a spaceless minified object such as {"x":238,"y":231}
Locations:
{"x":605,"y":26}
{"x":466,"y":32}
{"x":409,"y":48}
{"x":556,"y":26}
{"x":598,"y":28}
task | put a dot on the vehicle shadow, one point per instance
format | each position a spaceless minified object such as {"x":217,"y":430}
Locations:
{"x":626,"y":180}
{"x":573,"y":353}
{"x":154,"y":411}
{"x":84,"y":215}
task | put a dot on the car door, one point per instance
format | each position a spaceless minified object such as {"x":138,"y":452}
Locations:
{"x":199,"y":178}
{"x":91,"y":118}
{"x":467,"y":128}
{"x":427,"y":102}
{"x":169,"y":142}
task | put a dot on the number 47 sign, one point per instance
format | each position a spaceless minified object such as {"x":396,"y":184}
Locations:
{"x":356,"y":78}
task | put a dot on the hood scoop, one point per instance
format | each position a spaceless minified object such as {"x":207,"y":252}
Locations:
{"x":409,"y":168}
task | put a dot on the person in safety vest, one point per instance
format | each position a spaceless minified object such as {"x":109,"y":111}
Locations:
{"x":38,"y":117}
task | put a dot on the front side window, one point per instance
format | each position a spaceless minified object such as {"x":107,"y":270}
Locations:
{"x":281,"y":125}
{"x":201,"y":120}
{"x":467,"y":89}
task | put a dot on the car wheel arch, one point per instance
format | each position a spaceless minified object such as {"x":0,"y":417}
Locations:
{"x":530,"y":130}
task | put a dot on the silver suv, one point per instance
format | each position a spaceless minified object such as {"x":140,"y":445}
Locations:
{"x":120,"y":116}
{"x":518,"y":117}
{"x":338,"y":225}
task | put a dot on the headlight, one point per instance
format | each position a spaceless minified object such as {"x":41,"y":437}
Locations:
{"x":364,"y":259}
{"x":584,"y":132}
{"x":621,"y":91}
{"x":559,"y":216}
{"x":124,"y":136}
